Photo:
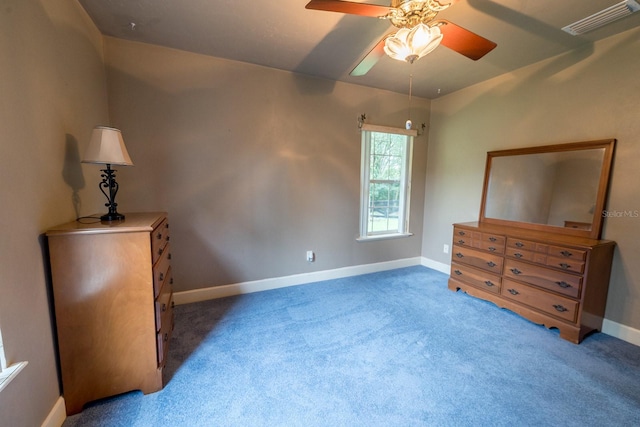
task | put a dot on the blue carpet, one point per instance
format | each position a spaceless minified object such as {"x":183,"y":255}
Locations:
{"x":395,"y":348}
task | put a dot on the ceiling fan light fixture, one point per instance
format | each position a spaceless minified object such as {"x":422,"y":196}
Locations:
{"x":412,"y":44}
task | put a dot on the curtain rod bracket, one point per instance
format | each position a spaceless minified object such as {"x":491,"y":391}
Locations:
{"x":361,"y":120}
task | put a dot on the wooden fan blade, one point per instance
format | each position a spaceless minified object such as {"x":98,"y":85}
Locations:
{"x":464,"y":41}
{"x":362,"y":9}
{"x":370,"y":59}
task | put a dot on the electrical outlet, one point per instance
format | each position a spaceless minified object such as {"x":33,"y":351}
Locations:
{"x":445,"y":249}
{"x":311,"y":257}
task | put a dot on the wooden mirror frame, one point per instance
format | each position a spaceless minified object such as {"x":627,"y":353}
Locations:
{"x":601,"y":197}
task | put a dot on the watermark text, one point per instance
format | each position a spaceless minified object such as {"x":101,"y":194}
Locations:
{"x":621,"y":214}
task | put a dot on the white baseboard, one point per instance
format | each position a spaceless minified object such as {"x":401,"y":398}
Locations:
{"x":436,"y":265}
{"x":204,"y":294}
{"x":57,"y":415}
{"x":623,"y":332}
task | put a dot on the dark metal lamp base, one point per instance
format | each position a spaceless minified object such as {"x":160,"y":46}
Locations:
{"x":112,"y":217}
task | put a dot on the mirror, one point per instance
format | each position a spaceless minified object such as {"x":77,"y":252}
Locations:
{"x":560,"y":188}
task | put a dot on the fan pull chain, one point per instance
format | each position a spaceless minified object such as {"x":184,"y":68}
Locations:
{"x":408,"y":124}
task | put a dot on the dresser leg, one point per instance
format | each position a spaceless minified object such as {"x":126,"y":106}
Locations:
{"x":571,"y":334}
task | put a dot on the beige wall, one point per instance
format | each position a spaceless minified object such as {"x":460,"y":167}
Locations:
{"x":254,"y":165}
{"x":53,"y":90}
{"x":586,"y":95}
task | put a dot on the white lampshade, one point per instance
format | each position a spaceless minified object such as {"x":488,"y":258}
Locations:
{"x":107,"y":147}
{"x":411,"y":44}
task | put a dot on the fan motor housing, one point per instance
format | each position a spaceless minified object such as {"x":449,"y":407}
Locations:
{"x":409,"y":13}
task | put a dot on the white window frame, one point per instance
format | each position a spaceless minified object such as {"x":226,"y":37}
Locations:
{"x":405,"y":183}
{"x":3,"y":360}
{"x":8,"y":372}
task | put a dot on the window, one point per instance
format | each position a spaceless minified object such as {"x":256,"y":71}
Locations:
{"x":7,"y":373}
{"x":385,"y":185}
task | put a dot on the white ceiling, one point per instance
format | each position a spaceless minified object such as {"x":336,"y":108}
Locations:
{"x":283,"y":34}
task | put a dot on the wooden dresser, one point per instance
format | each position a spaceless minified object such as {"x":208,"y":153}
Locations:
{"x":551,"y":279}
{"x":112,"y":290}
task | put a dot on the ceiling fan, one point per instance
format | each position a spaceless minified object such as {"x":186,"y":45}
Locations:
{"x":414,"y":19}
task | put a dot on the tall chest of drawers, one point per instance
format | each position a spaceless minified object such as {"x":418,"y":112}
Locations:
{"x":113,"y":299}
{"x":555,"y":280}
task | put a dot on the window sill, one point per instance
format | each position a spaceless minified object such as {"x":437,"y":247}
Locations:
{"x":9,"y":373}
{"x":383,"y":237}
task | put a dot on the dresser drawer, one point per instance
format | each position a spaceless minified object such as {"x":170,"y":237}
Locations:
{"x":491,"y":247}
{"x":478,"y":259}
{"x":549,"y":303}
{"x":164,"y":334}
{"x":160,"y":270}
{"x":163,"y":301}
{"x":567,"y":253}
{"x":466,"y":234}
{"x":492,"y":243}
{"x":489,"y":242}
{"x":467,"y":238}
{"x":536,"y":257}
{"x":525,"y":245}
{"x":478,"y":278}
{"x":540,"y":256}
{"x":520,"y":254}
{"x":566,"y":264}
{"x":159,"y":239}
{"x":563,"y":283}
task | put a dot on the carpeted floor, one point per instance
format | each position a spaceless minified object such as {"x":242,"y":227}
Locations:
{"x":395,"y":348}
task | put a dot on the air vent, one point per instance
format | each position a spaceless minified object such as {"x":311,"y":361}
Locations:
{"x":602,"y":18}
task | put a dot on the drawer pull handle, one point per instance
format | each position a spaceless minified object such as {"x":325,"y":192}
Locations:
{"x":492,"y":249}
{"x":458,"y":272}
{"x":462,"y":233}
{"x":159,"y":236}
{"x":166,"y":337}
{"x":171,"y":281}
{"x":520,"y":244}
{"x":491,"y":264}
{"x":169,"y":256}
{"x":164,"y":307}
{"x":560,"y":308}
{"x":459,"y":255}
{"x":513,"y":292}
{"x":489,"y":283}
{"x":160,"y":251}
{"x":168,"y":238}
{"x":166,"y":225}
{"x":518,"y":255}
{"x":492,"y":239}
{"x":161,"y":277}
{"x":564,"y":265}
{"x":461,"y":242}
{"x":563,"y":284}
{"x":516,"y":271}
{"x":566,"y":253}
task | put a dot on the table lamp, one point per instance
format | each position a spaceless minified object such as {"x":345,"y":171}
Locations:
{"x":106,"y":147}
